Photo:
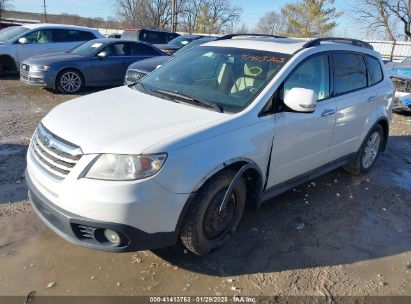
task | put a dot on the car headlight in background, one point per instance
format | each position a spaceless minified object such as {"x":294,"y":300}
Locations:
{"x":39,"y":68}
{"x":126,"y":167}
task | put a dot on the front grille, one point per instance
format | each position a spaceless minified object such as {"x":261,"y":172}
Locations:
{"x":54,"y":155}
{"x":134,"y":76}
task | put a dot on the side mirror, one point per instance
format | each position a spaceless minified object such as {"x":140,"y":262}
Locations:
{"x":158,"y":66}
{"x":102,"y":55}
{"x":301,"y":100}
{"x":184,"y":42}
{"x":23,"y":40}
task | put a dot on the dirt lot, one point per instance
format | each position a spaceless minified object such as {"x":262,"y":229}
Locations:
{"x":339,"y":235}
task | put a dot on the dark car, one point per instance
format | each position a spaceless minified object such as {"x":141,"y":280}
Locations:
{"x":99,"y":62}
{"x":177,"y":43}
{"x":151,"y":36}
{"x":139,"y":69}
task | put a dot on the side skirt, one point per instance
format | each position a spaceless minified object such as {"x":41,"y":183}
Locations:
{"x":298,"y":180}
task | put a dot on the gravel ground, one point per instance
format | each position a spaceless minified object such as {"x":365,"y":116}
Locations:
{"x":338,"y":235}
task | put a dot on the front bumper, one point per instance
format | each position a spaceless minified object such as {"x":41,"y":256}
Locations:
{"x":88,"y":233}
{"x":39,"y":78}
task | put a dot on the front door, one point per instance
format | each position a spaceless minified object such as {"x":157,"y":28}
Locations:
{"x":302,"y":140}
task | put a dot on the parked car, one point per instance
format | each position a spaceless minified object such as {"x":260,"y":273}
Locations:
{"x":400,"y":74}
{"x":20,"y":42}
{"x":116,"y":36}
{"x":225,"y":125}
{"x":152,"y":36}
{"x":99,"y":62}
{"x":139,"y":69}
{"x":177,"y":43}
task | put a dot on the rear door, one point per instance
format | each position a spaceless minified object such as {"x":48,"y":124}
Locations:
{"x":140,"y":51}
{"x":302,"y":140}
{"x":66,"y":39}
{"x":355,"y":103}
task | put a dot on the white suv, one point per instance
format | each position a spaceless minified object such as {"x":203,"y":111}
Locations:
{"x":228,"y":124}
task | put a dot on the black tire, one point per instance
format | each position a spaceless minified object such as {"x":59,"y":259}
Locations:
{"x":197,"y":232}
{"x":356,"y":166}
{"x":78,"y":82}
{"x":1,"y":70}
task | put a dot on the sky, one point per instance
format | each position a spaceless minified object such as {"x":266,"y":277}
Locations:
{"x":252,"y":10}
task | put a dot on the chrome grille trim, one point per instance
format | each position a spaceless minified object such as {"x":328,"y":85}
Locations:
{"x":53,"y":154}
{"x":134,"y":76}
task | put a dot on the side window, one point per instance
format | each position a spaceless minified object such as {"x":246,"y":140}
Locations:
{"x":350,"y":72}
{"x":86,"y":36}
{"x":313,"y":74}
{"x":171,"y":37}
{"x":40,"y":36}
{"x":374,"y":70}
{"x":117,"y":49}
{"x":65,"y":35}
{"x":153,"y":37}
{"x":138,"y":49}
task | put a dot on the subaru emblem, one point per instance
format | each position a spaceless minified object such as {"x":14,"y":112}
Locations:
{"x":46,"y":141}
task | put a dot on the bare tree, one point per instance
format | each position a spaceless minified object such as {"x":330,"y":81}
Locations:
{"x":377,"y":15}
{"x":272,"y":23}
{"x":402,"y":10}
{"x":4,"y":4}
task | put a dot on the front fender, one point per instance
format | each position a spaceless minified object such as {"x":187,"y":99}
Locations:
{"x":187,"y":168}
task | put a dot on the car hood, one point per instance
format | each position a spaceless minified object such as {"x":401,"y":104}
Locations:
{"x":125,"y":121}
{"x":47,"y":59}
{"x":150,"y":64}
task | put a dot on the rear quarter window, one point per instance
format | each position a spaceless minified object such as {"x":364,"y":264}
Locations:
{"x":375,"y":74}
{"x":350,"y":72}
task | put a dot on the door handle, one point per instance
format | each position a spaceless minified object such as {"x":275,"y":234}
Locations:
{"x":371,"y":98}
{"x":328,"y":112}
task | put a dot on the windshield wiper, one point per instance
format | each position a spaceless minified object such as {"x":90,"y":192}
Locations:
{"x":192,"y":100}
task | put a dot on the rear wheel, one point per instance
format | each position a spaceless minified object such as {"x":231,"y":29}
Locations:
{"x":368,"y":153}
{"x":70,"y":82}
{"x":207,"y":226}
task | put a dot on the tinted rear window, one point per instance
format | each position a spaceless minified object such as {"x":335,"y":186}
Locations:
{"x":130,"y":35}
{"x":350,"y":72}
{"x":374,"y":70}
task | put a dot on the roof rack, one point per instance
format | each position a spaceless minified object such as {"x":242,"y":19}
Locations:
{"x":354,"y":42}
{"x":230,"y":36}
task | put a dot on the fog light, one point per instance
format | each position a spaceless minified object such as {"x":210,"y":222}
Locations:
{"x":112,"y":237}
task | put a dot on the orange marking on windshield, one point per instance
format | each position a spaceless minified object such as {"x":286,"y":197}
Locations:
{"x":259,"y":58}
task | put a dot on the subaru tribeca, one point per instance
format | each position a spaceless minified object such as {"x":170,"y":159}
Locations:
{"x":229,"y":124}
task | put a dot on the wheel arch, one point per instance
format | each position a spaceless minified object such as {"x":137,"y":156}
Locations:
{"x":9,"y":62}
{"x":253,"y":178}
{"x":383,"y":121}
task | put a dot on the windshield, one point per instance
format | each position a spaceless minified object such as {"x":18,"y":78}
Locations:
{"x":193,"y":44}
{"x":11,"y":32}
{"x":227,"y":77}
{"x":88,"y":48}
{"x":181,"y":41}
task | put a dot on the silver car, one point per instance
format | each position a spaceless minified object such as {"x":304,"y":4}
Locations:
{"x":19,"y":42}
{"x":99,"y":62}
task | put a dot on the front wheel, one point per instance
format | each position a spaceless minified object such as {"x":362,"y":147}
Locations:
{"x":368,"y":153}
{"x":70,"y":82}
{"x":207,"y":226}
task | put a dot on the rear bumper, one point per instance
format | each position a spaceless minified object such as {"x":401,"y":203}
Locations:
{"x":70,"y":226}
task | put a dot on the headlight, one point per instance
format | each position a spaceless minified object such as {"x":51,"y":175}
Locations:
{"x":39,"y":68}
{"x":126,"y":167}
